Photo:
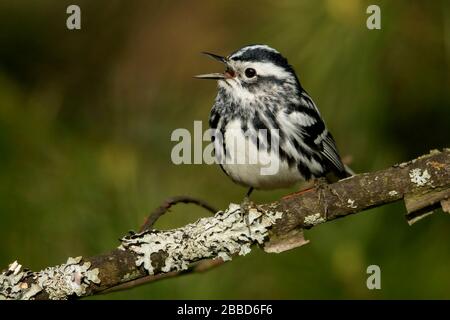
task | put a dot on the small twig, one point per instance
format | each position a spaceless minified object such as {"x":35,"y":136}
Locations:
{"x":168,"y":203}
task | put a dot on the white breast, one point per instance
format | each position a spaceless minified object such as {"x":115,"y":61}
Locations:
{"x":248,"y":166}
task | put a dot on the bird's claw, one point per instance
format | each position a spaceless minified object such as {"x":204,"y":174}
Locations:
{"x":246,"y":205}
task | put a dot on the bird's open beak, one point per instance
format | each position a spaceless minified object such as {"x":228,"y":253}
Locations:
{"x":213,"y":76}
{"x":217,"y":76}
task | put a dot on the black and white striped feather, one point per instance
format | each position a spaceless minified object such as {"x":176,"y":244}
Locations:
{"x":274,"y":99}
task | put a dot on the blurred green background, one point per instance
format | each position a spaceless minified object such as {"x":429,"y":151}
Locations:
{"x":86,"y":118}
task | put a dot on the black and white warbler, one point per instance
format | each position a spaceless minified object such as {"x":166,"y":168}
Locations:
{"x":259,"y":90}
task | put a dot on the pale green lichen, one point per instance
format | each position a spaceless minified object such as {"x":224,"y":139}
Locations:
{"x":313,"y":220}
{"x":418,"y":177}
{"x":393,"y":193}
{"x":60,"y":282}
{"x":11,"y":283}
{"x":351,"y":204}
{"x":130,"y":276}
{"x":228,"y":233}
{"x":67,"y":279}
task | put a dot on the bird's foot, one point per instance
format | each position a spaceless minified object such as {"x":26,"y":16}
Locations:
{"x":315,"y":184}
{"x":246,"y":205}
{"x":320,"y":183}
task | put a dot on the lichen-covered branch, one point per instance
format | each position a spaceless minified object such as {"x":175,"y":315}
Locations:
{"x":423,"y":183}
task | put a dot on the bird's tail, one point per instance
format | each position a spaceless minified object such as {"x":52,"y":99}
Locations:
{"x":349,"y":171}
{"x":335,"y":175}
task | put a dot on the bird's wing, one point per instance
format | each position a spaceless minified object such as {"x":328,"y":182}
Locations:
{"x":304,"y":125}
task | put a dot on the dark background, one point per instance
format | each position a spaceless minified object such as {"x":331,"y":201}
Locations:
{"x":86,"y":118}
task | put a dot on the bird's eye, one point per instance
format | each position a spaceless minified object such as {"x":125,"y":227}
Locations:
{"x":250,"y":72}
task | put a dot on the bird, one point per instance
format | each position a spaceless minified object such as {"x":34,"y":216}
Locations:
{"x":259,"y":91}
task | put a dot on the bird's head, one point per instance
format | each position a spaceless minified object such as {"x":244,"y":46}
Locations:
{"x":253,"y":72}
